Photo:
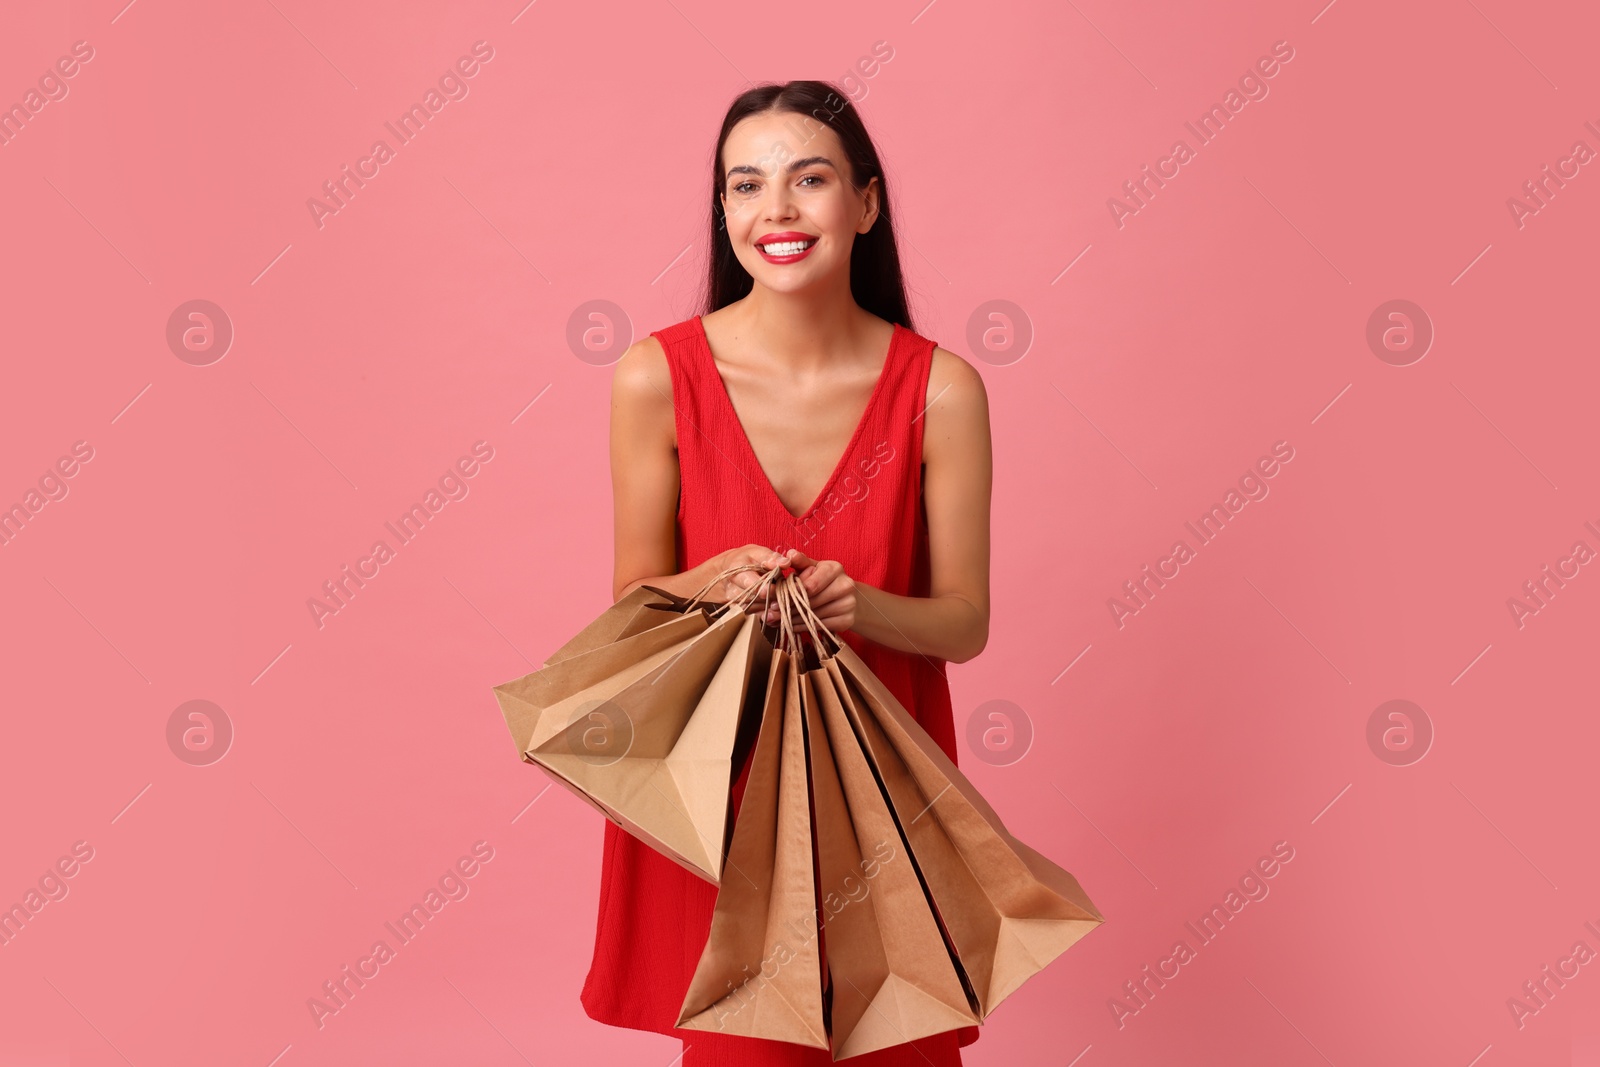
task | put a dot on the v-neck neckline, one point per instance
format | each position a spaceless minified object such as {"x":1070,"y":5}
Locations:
{"x":849,"y":449}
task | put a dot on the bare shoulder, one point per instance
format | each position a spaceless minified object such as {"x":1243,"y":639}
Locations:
{"x":642,"y":391}
{"x":642,"y":380}
{"x":957,"y":403}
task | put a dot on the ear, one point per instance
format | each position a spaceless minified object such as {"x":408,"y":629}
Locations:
{"x":870,"y":215}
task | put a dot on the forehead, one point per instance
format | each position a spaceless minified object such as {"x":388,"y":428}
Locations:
{"x":770,"y":139}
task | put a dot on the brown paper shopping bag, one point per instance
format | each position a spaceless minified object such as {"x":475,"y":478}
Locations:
{"x":894,"y":979}
{"x":644,"y":727}
{"x":1007,"y":909}
{"x":759,"y":975}
{"x":644,"y":608}
{"x":891,"y":978}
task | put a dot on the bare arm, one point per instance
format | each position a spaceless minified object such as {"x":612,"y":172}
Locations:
{"x":952,"y":621}
{"x":644,"y":482}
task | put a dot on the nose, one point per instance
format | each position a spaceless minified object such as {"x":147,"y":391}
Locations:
{"x":777,"y":202}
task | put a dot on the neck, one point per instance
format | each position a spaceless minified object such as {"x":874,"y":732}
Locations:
{"x":803,"y":331}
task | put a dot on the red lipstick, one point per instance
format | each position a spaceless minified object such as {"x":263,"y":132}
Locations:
{"x":788,"y":237}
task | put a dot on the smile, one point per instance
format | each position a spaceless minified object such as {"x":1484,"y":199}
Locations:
{"x":786,"y":251}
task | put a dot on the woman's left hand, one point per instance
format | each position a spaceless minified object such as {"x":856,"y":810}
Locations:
{"x":830,"y":589}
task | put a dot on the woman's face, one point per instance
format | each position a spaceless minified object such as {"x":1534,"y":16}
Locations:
{"x":792,"y":215}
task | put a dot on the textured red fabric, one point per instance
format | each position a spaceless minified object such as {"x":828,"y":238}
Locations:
{"x":654,"y":915}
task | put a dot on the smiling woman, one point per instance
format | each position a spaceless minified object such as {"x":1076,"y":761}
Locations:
{"x":736,"y":434}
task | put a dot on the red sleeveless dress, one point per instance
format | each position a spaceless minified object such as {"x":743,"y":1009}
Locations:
{"x":654,"y":915}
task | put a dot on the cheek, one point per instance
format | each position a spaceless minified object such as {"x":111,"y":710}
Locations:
{"x":835,"y":215}
{"x":740,"y":216}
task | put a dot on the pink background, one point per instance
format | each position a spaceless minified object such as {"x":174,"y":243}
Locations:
{"x":1229,"y":313}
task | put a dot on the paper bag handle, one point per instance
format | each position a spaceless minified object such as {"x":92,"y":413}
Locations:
{"x":742,"y":599}
{"x":792,"y":595}
{"x":792,"y":600}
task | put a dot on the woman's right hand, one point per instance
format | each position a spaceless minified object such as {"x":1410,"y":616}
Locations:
{"x":736,"y":584}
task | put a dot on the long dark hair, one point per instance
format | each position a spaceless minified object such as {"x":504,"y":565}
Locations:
{"x":876,"y":281}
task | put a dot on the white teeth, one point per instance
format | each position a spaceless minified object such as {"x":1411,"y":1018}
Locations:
{"x":786,"y":248}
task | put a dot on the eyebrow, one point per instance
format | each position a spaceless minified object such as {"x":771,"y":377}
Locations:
{"x":809,"y":161}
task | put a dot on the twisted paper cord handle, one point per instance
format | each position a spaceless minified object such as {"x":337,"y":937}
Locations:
{"x":793,"y":600}
{"x":743,"y":598}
